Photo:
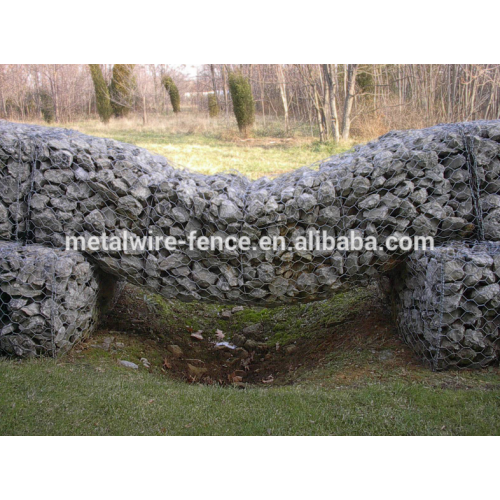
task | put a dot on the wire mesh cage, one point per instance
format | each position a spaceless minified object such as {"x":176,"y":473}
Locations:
{"x":447,"y":304}
{"x":441,"y":182}
{"x":50,"y":299}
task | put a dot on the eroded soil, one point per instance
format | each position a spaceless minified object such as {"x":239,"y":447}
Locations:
{"x":350,"y":337}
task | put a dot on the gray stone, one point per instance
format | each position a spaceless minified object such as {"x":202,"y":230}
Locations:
{"x":128,"y":364}
{"x":370,"y":202}
{"x":203,"y":277}
{"x":253,"y":329}
{"x":95,"y":222}
{"x":484,"y":294}
{"x":229,"y":212}
{"x":306,"y":202}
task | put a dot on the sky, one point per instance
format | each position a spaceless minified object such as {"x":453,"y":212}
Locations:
{"x":188,"y":69}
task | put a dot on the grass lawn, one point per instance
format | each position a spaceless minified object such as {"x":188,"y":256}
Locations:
{"x":42,"y":397}
{"x":349,"y":374}
{"x":216,"y":149}
{"x":364,"y":382}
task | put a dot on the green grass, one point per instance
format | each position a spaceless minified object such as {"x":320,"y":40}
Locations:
{"x":41,"y":397}
{"x":289,"y":323}
{"x":217,"y":150}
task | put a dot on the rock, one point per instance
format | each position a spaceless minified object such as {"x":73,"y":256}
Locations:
{"x":229,"y":212}
{"x":377,"y":214}
{"x":361,"y":186}
{"x":306,"y":202}
{"x":145,"y":362}
{"x":252,"y":329}
{"x":175,"y":350}
{"x":453,"y":271}
{"x":226,"y":314}
{"x":239,"y":340}
{"x":370,"y":202}
{"x":250,"y":345}
{"x":308,"y":283}
{"x":265,"y":273}
{"x":128,"y":364}
{"x":279,"y":286}
{"x":95,"y":222}
{"x":130,"y":207}
{"x":484,"y":294}
{"x":203,"y":277}
{"x":106,"y":342}
{"x":195,"y":371}
{"x":385,"y":355}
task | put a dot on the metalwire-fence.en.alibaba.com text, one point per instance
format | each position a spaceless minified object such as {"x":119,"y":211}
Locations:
{"x":130,"y":243}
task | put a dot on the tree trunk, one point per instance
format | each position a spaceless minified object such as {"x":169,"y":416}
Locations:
{"x":214,"y":84}
{"x":284,"y":100}
{"x":224,"y":71}
{"x":330,"y":72}
{"x":262,"y":95}
{"x":349,"y":99}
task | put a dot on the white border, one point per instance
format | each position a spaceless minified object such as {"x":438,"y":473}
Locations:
{"x":242,"y":468}
{"x":259,"y":31}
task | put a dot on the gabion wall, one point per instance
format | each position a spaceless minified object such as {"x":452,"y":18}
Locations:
{"x":441,"y":182}
{"x":447,"y":304}
{"x":49,"y":299}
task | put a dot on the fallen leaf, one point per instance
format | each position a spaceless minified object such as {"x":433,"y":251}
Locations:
{"x":219,"y":334}
{"x":167,"y":364}
{"x":197,"y":335}
{"x":268,"y":380}
{"x":235,"y":379}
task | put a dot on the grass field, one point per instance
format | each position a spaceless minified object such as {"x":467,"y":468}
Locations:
{"x":365,"y":382}
{"x":208,"y":148}
{"x":42,"y":397}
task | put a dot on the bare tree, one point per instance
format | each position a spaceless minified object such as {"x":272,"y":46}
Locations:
{"x":330,"y":72}
{"x":352,"y":70}
{"x":284,"y":98}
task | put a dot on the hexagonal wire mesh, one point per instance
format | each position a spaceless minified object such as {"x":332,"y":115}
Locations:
{"x":49,"y":299}
{"x":447,"y":304}
{"x":441,"y":182}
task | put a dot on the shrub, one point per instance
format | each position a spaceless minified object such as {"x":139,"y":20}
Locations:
{"x":102,"y":98}
{"x":243,"y":103}
{"x":121,"y":90}
{"x":47,"y":106}
{"x":173,"y":92}
{"x":213,"y":106}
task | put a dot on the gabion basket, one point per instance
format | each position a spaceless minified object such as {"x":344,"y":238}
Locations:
{"x":442,"y":182}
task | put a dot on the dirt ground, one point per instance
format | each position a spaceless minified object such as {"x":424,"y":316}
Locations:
{"x":362,"y":339}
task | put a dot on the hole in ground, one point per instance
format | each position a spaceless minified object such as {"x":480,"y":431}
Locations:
{"x":279,"y":346}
